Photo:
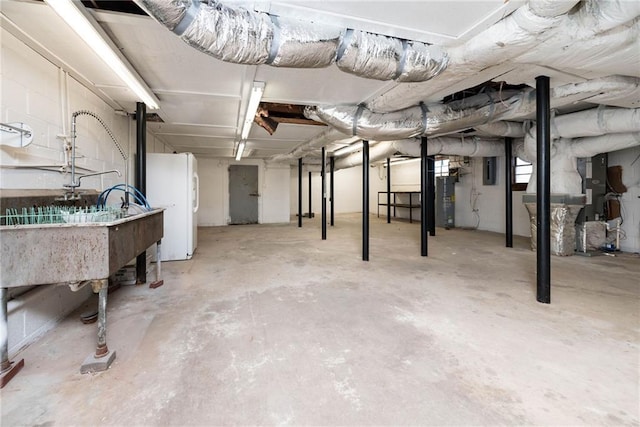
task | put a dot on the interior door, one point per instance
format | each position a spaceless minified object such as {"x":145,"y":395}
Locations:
{"x":243,"y":194}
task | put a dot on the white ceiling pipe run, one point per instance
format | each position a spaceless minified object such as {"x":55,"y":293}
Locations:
{"x":551,"y":8}
{"x":472,"y":147}
{"x":510,"y":37}
{"x":442,"y":119}
{"x":600,"y":90}
{"x":327,"y":137}
{"x":593,"y":122}
{"x":502,"y":128}
{"x":565,"y":152}
{"x":596,"y":121}
{"x":590,"y":146}
{"x":602,"y":121}
{"x":602,"y":37}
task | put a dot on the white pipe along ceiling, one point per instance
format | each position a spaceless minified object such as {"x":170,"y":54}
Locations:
{"x":590,"y":49}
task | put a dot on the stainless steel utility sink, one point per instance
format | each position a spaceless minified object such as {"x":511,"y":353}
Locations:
{"x":43,"y":254}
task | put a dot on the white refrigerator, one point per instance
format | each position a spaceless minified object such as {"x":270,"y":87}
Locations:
{"x":173,"y":184}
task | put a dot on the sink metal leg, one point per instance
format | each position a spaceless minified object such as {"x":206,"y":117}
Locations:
{"x":159,"y":282}
{"x":7,"y":368}
{"x":103,"y":357}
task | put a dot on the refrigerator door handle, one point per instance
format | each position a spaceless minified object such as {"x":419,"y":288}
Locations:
{"x":197,"y":190}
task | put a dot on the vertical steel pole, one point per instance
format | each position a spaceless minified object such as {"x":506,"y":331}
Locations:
{"x":508,"y":195}
{"x":388,"y":190}
{"x":310,"y":194}
{"x":431,"y":194}
{"x":424,"y":183}
{"x":324,"y":196}
{"x":332,"y":166}
{"x":102,"y":349}
{"x":543,"y":195}
{"x":5,"y":364}
{"x":300,"y":192}
{"x":141,"y":177}
{"x":8,"y":370}
{"x":365,"y":200}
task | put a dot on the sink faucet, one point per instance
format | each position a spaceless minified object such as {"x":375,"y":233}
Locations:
{"x":74,"y":185}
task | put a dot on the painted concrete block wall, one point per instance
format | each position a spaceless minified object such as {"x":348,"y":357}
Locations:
{"x":489,"y":200}
{"x":273,"y":182}
{"x":629,"y":159}
{"x":347,"y":189}
{"x":33,"y":92}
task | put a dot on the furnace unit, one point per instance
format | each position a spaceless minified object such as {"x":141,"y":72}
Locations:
{"x":445,"y":201}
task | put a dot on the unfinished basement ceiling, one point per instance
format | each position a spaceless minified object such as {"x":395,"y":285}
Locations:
{"x":203,"y":100}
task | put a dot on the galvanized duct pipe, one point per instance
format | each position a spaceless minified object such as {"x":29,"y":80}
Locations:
{"x":442,"y":119}
{"x":247,"y":37}
{"x":472,"y":147}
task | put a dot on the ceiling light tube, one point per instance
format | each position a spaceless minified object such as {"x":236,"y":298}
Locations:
{"x":252,"y":108}
{"x":83,"y":23}
{"x":240,"y":150}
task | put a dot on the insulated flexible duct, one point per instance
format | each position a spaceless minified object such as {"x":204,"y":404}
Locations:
{"x":247,"y":37}
{"x":472,"y":147}
{"x":442,"y":119}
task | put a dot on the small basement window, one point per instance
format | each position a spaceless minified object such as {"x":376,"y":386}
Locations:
{"x":441,"y":167}
{"x":522,"y":171}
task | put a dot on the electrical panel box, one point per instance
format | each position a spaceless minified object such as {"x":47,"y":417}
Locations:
{"x":489,"y":168}
{"x":445,"y":201}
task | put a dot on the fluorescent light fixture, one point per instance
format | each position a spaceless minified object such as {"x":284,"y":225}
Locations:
{"x":348,"y":149}
{"x":83,"y":23}
{"x":254,"y":101}
{"x":240,"y":150}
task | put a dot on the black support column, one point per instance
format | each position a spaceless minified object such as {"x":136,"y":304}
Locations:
{"x":309,"y":213}
{"x":388,"y":190}
{"x":300,"y":192}
{"x":508,"y":195}
{"x":424,"y":183}
{"x":543,"y":185}
{"x":365,"y":200}
{"x":324,"y":196}
{"x":332,"y":166}
{"x":141,"y":177}
{"x":431,"y":195}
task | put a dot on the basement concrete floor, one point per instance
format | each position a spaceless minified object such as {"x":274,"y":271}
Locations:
{"x":270,"y":325}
